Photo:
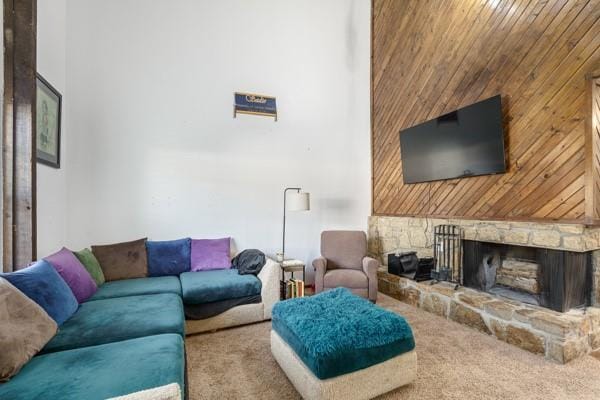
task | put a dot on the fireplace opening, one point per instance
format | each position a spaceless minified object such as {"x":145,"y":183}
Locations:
{"x":556,"y":279}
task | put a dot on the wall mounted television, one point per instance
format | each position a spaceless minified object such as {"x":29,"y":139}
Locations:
{"x":466,"y":142}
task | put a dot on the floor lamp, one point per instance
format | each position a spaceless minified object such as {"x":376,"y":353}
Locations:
{"x":298,"y":201}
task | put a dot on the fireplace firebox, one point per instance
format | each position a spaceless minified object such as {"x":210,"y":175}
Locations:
{"x":555,"y":279}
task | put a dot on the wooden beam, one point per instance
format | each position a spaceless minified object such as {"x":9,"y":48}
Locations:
{"x":592,"y":149}
{"x":7,"y":140}
{"x":19,"y":165}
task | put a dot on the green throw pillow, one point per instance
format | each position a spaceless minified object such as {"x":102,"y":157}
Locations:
{"x":91,"y":264}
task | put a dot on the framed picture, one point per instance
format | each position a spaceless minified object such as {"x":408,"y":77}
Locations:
{"x":48,"y":109}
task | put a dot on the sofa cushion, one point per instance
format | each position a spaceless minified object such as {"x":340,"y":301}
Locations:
{"x":74,"y":273}
{"x":349,"y":278}
{"x":138,"y":287}
{"x":336,"y":332}
{"x":170,"y":257}
{"x":91,"y":264}
{"x":209,"y":286}
{"x":101,"y":372}
{"x":124,"y":260}
{"x":42,"y":284}
{"x":207,"y":310}
{"x":209,"y":254}
{"x":24,"y":330}
{"x":113,"y":320}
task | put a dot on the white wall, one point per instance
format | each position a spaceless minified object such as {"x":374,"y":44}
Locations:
{"x":154,"y":150}
{"x":52,"y":183}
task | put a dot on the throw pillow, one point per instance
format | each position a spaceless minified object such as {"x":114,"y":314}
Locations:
{"x":210,"y":254}
{"x":42,"y":284}
{"x":74,"y":273}
{"x":122,"y":260}
{"x":24,"y":331}
{"x":91,"y":264}
{"x":168,"y":257}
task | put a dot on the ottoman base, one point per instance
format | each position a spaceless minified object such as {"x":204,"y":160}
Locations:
{"x":362,"y":384}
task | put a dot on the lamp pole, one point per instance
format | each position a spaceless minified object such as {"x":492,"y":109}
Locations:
{"x":284,"y":209}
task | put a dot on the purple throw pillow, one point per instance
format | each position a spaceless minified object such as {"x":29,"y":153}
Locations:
{"x":74,"y":273}
{"x":210,"y":254}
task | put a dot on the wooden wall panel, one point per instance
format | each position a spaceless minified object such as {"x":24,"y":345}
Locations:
{"x":430,"y":57}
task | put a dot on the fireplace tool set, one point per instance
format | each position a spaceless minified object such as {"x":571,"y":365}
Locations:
{"x":447,"y":254}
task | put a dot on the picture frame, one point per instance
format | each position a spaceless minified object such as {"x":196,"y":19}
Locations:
{"x":48,"y":123}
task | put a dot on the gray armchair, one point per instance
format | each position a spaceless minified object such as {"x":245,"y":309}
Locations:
{"x":344,"y":263}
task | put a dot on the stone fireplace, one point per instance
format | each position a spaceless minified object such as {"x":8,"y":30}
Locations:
{"x":532,"y":285}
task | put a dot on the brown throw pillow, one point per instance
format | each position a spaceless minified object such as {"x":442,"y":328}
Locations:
{"x":25,"y":328}
{"x":122,"y":260}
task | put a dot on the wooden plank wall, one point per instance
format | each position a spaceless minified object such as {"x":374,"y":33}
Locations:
{"x":430,"y":57}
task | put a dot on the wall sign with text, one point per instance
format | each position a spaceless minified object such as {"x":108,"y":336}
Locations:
{"x":255,"y":104}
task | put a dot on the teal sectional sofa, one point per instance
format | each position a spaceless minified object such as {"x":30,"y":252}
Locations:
{"x":102,"y":371}
{"x":129,"y":336}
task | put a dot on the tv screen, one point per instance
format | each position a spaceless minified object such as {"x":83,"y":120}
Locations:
{"x":465,"y":142}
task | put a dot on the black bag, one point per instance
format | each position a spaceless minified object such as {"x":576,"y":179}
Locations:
{"x":402,"y":263}
{"x":249,"y":261}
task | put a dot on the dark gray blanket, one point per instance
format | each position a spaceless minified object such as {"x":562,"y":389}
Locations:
{"x":249,"y":261}
{"x":207,"y":310}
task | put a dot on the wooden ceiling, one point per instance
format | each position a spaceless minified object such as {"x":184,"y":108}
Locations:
{"x":430,"y":57}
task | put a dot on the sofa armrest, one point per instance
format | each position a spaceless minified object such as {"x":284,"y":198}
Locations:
{"x":269,"y":277}
{"x":320,"y":266}
{"x":370,"y":267}
{"x":167,"y":392}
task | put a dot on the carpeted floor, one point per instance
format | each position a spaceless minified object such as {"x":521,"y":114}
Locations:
{"x":455,"y":362}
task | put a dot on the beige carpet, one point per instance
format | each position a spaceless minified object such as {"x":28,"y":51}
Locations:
{"x":455,"y":362}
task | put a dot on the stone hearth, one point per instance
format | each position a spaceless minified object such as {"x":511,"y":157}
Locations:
{"x":561,"y":337}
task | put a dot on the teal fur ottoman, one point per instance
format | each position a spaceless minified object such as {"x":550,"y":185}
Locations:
{"x":336,"y":345}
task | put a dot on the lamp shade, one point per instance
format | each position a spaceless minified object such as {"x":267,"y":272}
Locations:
{"x":299,"y":201}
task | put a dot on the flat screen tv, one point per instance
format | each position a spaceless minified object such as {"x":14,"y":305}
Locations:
{"x":465,"y":142}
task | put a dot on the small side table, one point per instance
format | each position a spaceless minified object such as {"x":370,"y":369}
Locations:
{"x":292,"y":266}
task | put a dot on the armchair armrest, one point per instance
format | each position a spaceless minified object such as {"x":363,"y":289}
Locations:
{"x":269,"y":277}
{"x":370,"y":267}
{"x":320,"y":265}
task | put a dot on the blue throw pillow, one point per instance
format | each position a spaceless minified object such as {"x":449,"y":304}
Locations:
{"x":170,"y":257}
{"x":42,"y":284}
